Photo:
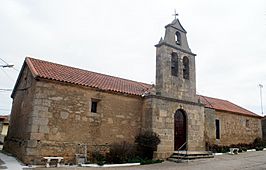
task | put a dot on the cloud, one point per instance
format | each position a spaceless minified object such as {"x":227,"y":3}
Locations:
{"x":118,"y":37}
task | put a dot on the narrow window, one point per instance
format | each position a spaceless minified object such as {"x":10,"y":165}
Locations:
{"x":94,"y":106}
{"x":186,"y":68}
{"x":247,"y":123}
{"x":174,"y":64}
{"x":178,"y":38}
{"x":217,"y":125}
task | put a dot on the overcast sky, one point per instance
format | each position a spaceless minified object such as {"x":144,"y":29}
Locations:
{"x":117,"y":38}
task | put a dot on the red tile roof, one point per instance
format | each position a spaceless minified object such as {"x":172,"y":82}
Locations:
{"x":224,"y":105}
{"x":73,"y":75}
{"x":48,"y":70}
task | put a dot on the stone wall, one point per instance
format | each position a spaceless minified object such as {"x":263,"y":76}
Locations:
{"x":263,"y":124}
{"x":234,"y":128}
{"x":61,"y":118}
{"x":174,"y":86}
{"x":19,"y":126}
{"x":161,"y":111}
{"x":209,"y":124}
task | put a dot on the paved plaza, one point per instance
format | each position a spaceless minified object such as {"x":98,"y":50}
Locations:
{"x":243,"y":161}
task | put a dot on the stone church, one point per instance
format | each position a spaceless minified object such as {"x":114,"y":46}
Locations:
{"x":57,"y":107}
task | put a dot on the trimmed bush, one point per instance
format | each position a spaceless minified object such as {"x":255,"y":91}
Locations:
{"x":147,"y":143}
{"x":242,"y":149}
{"x":120,"y":153}
{"x":259,"y":148}
{"x":98,"y":158}
{"x":258,"y":144}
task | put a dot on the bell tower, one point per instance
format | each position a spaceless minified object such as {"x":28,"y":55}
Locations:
{"x":175,"y":65}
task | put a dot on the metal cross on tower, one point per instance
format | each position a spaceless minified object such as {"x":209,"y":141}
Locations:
{"x":175,"y":14}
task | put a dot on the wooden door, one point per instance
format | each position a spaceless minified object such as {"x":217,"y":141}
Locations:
{"x":180,"y":130}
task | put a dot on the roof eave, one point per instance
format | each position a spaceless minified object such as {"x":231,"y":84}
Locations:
{"x":255,"y":115}
{"x":92,"y":87}
{"x":31,"y":68}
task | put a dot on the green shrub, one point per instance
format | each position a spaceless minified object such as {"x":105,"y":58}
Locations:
{"x":98,"y":158}
{"x":121,"y":152}
{"x":259,"y":148}
{"x":148,"y":139}
{"x":218,"y":148}
{"x":258,"y":142}
{"x":243,"y":149}
{"x":136,"y":159}
{"x":147,"y":142}
{"x":150,"y":161}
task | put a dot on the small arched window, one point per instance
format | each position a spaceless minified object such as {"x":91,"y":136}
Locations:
{"x":186,"y":68}
{"x":174,"y":64}
{"x":178,"y":38}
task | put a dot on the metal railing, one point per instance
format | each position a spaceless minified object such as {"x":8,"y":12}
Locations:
{"x":179,"y":149}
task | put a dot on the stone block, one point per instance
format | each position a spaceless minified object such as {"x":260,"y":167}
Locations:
{"x":133,"y":123}
{"x":84,"y":119}
{"x":45,"y":115}
{"x":32,"y":143}
{"x":77,"y":117}
{"x":124,"y":122}
{"x":64,"y":115}
{"x":40,"y":121}
{"x":58,"y":98}
{"x":110,"y":121}
{"x":42,"y":84}
{"x":37,"y":136}
{"x":44,"y":129}
{"x":40,"y":96}
{"x":120,"y":116}
{"x":163,"y":113}
{"x":31,"y":151}
{"x":40,"y":109}
{"x":54,"y":130}
{"x":32,"y":128}
{"x":42,"y":102}
{"x":91,"y":114}
{"x":120,"y":136}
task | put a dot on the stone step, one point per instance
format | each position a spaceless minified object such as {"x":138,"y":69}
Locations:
{"x":174,"y":160}
{"x":177,"y":156}
{"x":193,"y":152}
{"x":191,"y":156}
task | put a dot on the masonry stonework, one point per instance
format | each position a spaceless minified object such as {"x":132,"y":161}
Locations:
{"x":263,"y":124}
{"x":162,"y":122}
{"x":209,"y":125}
{"x":174,"y":91}
{"x":234,"y":128}
{"x":52,"y":110}
{"x":61,"y":118}
{"x":237,"y":128}
{"x":20,"y":125}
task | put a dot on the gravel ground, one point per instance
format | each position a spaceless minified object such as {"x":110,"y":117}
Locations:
{"x":243,"y":161}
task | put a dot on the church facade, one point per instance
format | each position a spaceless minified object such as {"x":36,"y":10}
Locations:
{"x":57,"y":107}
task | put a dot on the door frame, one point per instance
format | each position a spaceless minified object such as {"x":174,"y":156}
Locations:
{"x":183,"y":112}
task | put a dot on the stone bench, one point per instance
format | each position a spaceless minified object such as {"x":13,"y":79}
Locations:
{"x":234,"y":151}
{"x":49,"y":158}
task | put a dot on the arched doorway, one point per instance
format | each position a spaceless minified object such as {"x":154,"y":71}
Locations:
{"x":180,"y":129}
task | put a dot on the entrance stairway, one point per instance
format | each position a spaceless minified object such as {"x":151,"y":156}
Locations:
{"x":178,"y":156}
